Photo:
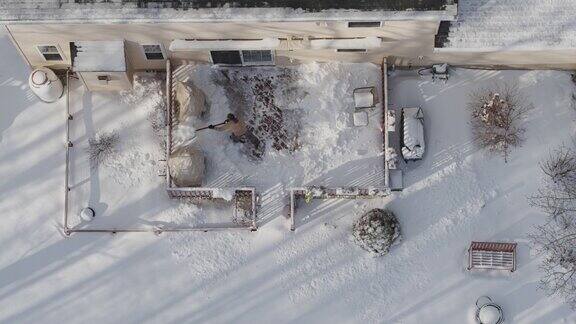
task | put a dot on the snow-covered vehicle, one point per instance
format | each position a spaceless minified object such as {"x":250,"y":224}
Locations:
{"x":413,"y":146}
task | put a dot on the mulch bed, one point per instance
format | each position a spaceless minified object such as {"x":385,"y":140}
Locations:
{"x":265,"y":120}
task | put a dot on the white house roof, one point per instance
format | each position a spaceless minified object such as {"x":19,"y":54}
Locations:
{"x":134,"y":11}
{"x":513,"y":24}
{"x":99,"y":56}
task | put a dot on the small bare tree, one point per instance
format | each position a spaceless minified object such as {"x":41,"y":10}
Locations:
{"x":497,"y":117}
{"x":556,"y":239}
{"x":101,"y":147}
{"x":557,"y":196}
{"x":558,"y":245}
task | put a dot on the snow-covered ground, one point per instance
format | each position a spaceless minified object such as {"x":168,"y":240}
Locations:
{"x":302,"y":116}
{"x":309,"y":139}
{"x":316,"y":274}
{"x":127,"y":190}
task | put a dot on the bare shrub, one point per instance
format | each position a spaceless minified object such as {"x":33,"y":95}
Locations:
{"x":497,"y":117}
{"x":556,"y":239}
{"x":558,"y":268}
{"x":376,"y":231}
{"x":557,"y":196}
{"x":101,"y":147}
{"x":157,"y":120}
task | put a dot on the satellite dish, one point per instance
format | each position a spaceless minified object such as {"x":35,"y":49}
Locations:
{"x":46,"y":85}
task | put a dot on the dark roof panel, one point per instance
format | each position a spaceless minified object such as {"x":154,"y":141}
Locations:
{"x":307,"y":5}
{"x":134,"y":11}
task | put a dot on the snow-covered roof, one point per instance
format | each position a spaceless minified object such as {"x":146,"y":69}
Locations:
{"x":99,"y":56}
{"x":125,"y":11}
{"x":513,"y":24}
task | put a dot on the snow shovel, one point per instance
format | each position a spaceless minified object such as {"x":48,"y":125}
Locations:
{"x":192,"y":138}
{"x":210,"y":126}
{"x":229,"y":118}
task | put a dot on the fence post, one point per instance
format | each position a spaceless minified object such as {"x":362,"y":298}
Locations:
{"x":168,"y":121}
{"x":67,"y":159}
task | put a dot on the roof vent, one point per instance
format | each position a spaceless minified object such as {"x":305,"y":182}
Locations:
{"x":364,"y":24}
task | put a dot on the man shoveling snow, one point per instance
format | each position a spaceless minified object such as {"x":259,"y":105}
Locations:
{"x":235,"y":126}
{"x":239,"y":133}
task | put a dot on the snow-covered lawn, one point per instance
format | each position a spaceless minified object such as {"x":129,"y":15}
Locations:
{"x":457,"y":194}
{"x":316,"y":274}
{"x":127,"y":190}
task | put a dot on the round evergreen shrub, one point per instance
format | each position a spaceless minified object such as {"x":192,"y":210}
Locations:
{"x":376,"y":231}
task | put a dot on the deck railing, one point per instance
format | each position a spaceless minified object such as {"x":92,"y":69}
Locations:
{"x":241,"y":194}
{"x":202,"y":193}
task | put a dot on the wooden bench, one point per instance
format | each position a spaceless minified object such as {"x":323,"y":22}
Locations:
{"x":492,"y":256}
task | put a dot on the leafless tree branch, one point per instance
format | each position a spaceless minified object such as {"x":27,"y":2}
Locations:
{"x":556,"y":239}
{"x":497,"y":117}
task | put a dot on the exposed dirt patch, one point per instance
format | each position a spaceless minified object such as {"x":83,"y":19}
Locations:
{"x":253,"y":92}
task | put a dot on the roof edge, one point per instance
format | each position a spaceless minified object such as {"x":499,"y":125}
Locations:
{"x":138,"y":16}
